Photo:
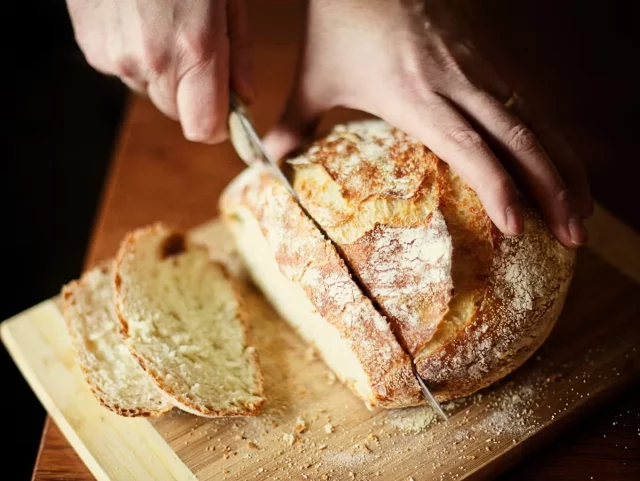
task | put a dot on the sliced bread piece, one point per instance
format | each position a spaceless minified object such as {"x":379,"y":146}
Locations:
{"x":114,"y":376}
{"x":183,"y":321}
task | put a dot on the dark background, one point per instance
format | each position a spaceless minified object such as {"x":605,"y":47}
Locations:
{"x":60,"y":122}
{"x":62,"y":119}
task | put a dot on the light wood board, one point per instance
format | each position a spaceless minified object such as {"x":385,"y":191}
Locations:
{"x":592,"y":354}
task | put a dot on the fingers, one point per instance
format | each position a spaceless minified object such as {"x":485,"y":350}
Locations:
{"x":164,"y":97}
{"x":438,"y":125}
{"x":569,"y":166}
{"x":203,"y":99}
{"x":240,"y":50}
{"x":531,"y":165}
{"x":296,"y":125}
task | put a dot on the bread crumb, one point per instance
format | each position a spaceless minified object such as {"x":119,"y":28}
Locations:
{"x":301,"y":426}
{"x":289,"y":438}
{"x":252,"y":445}
{"x":331,"y":378}
{"x":310,"y":354}
{"x":322,"y":447}
{"x":328,"y":428}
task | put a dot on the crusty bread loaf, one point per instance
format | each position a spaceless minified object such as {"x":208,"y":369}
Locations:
{"x":114,"y":376}
{"x":469,"y":304}
{"x":183,"y":321}
{"x":302,"y":275}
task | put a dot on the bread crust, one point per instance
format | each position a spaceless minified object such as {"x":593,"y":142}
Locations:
{"x":491,"y":300}
{"x":308,"y":259}
{"x":183,"y":400}
{"x":84,"y":314}
{"x":507,"y":291}
{"x":529,"y":280}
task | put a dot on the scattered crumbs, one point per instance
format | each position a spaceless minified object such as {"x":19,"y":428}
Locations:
{"x":310,"y":354}
{"x":365,"y":448}
{"x":300,"y":426}
{"x":328,"y":428}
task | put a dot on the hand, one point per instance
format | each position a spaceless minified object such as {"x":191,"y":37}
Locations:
{"x":183,"y":54}
{"x":406,"y":62}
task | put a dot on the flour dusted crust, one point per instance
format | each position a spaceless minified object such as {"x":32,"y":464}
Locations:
{"x":307,"y":259}
{"x":525,"y":292}
{"x":376,"y":193}
{"x":484,"y":303}
{"x":113,"y":375}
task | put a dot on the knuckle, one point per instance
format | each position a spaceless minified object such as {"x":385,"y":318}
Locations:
{"x":521,"y":139}
{"x":156,"y":61}
{"x":465,"y":139}
{"x":196,"y":44}
{"x":124,"y":66}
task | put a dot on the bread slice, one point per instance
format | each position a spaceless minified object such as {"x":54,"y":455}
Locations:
{"x":303,"y":277}
{"x":114,"y":376}
{"x":183,"y":321}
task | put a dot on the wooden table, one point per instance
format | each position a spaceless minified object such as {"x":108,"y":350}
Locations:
{"x":156,"y":174}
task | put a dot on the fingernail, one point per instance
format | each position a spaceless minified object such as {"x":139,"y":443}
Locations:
{"x":577,"y":231}
{"x":515,"y":223}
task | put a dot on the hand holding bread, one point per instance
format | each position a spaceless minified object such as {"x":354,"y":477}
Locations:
{"x":463,"y":301}
{"x":413,"y":65}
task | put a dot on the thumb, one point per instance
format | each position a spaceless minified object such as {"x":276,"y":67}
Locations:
{"x":296,"y":125}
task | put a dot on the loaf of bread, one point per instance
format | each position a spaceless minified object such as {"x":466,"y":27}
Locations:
{"x":183,"y":320}
{"x":113,"y":375}
{"x":466,"y":303}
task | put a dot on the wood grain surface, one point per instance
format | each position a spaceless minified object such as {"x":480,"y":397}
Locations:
{"x":312,"y":427}
{"x":157,"y":174}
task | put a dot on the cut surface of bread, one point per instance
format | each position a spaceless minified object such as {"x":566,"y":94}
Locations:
{"x":307,"y":282}
{"x":114,"y":376}
{"x":183,"y":321}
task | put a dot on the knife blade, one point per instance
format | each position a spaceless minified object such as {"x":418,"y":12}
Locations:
{"x":250,"y":149}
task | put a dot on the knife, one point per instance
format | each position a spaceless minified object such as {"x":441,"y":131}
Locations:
{"x":250,"y":149}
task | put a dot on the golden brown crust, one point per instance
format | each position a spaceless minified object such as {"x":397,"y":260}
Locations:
{"x":309,"y":260}
{"x":529,"y":280}
{"x":366,"y":178}
{"x":71,"y":296}
{"x":375,"y":191}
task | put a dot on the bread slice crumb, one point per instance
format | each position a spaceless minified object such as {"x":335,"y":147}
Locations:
{"x":184,"y":322}
{"x":112,"y":373}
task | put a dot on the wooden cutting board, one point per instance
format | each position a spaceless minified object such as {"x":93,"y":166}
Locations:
{"x":314,"y":428}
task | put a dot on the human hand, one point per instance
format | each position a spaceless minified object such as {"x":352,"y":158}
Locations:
{"x":183,"y":54}
{"x":406,"y":62}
